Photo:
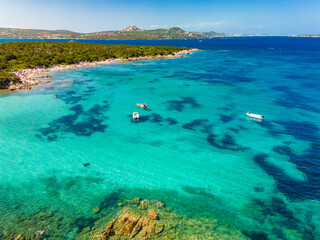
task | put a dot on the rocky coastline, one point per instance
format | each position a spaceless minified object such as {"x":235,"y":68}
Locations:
{"x":30,"y":78}
{"x":151,"y":219}
{"x":126,"y":219}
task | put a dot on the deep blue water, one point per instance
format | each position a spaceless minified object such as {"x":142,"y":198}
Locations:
{"x":194,"y":148}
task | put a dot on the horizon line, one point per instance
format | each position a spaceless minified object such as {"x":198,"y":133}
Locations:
{"x":258,"y":34}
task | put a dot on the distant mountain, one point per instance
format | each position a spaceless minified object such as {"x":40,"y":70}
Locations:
{"x":130,"y":32}
{"x":131,"y":28}
{"x":34,"y":33}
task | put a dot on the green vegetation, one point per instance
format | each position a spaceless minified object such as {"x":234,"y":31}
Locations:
{"x":22,"y":55}
{"x":35,"y":33}
{"x":7,"y":78}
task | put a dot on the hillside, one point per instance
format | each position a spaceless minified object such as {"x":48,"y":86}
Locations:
{"x":34,"y":33}
{"x":130,"y":32}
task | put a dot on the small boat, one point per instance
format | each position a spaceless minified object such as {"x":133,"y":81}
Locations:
{"x":135,"y":115}
{"x":254,"y":115}
{"x":142,"y":105}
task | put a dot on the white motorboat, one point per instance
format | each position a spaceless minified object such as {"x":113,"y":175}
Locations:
{"x":253,"y":115}
{"x":135,"y":115}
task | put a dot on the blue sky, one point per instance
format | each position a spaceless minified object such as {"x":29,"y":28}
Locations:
{"x":230,"y":16}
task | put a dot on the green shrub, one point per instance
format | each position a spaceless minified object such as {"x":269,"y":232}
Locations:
{"x":7,"y":78}
{"x":14,"y":55}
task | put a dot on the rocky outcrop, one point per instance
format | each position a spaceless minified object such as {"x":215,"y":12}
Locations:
{"x":129,"y":224}
{"x":124,"y":219}
{"x":153,"y":215}
{"x":27,"y":83}
{"x":138,"y":219}
{"x":151,"y":219}
{"x":189,"y":51}
{"x":24,"y":84}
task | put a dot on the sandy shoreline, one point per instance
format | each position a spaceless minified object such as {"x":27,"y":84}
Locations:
{"x":30,"y":77}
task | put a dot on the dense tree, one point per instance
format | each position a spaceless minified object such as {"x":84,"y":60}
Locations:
{"x":7,"y":78}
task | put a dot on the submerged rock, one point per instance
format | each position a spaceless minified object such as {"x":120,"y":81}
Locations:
{"x":134,"y":201}
{"x":160,"y":205}
{"x":86,"y":164}
{"x":95,"y":210}
{"x":123,"y":219}
{"x":144,"y":204}
{"x":150,"y":219}
{"x":153,"y":215}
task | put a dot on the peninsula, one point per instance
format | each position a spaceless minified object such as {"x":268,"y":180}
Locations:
{"x":21,"y":63}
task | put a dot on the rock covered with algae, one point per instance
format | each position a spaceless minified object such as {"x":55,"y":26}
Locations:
{"x":150,"y":219}
{"x":124,"y":219}
{"x":132,"y":224}
{"x":42,"y":224}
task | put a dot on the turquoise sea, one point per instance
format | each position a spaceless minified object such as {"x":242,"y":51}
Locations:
{"x":193,"y":148}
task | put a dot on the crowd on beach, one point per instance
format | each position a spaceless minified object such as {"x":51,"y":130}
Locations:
{"x":31,"y":73}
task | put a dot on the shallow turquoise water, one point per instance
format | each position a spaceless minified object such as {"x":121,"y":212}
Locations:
{"x":194,"y":148}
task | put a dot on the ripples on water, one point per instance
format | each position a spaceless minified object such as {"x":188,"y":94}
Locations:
{"x":194,"y":147}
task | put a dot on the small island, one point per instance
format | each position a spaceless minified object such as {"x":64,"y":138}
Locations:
{"x":21,"y":63}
